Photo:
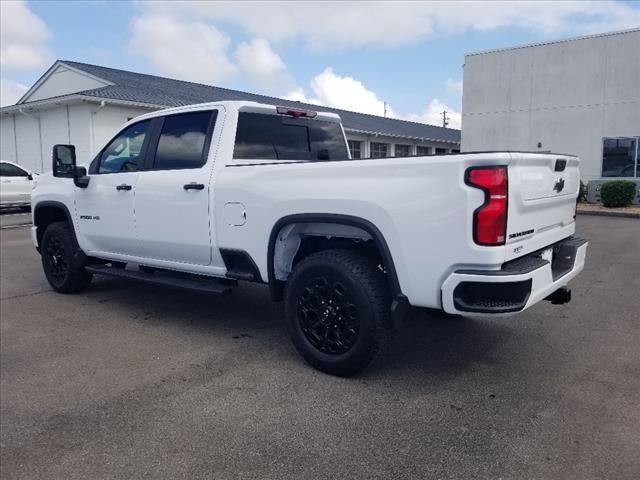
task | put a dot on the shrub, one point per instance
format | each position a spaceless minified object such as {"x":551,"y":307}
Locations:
{"x":617,"y":193}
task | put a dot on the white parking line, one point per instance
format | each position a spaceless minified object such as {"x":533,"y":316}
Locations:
{"x":20,"y":225}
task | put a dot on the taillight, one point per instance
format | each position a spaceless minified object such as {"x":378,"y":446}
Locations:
{"x":490,"y":219}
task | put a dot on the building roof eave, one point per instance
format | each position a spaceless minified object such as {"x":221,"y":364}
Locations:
{"x":130,"y":103}
{"x":385,"y":134}
{"x":74,"y":98}
{"x":39,"y":104}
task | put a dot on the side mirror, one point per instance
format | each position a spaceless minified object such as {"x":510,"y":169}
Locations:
{"x":64,"y":165}
{"x":30,"y":176}
{"x":64,"y":161}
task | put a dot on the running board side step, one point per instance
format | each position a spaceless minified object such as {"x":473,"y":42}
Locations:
{"x":167,"y":279}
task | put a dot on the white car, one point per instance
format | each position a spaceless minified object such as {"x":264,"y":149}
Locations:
{"x":203,"y":196}
{"x":16,"y":184}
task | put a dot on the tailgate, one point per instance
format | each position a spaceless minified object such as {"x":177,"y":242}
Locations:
{"x":543,"y":190}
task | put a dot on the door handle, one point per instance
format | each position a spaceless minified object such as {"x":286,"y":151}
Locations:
{"x":193,"y":186}
{"x":124,"y":186}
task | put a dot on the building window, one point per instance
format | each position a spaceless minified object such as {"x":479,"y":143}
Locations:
{"x":440,"y":151}
{"x":379,"y":150}
{"x":355,"y":148}
{"x":403,"y":150}
{"x":422,"y":151}
{"x":620,"y":157}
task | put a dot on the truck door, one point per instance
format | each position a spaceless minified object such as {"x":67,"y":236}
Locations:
{"x":105,"y":207}
{"x":173,"y":201}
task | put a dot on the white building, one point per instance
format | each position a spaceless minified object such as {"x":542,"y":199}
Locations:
{"x":579,"y":96}
{"x":86,"y":104}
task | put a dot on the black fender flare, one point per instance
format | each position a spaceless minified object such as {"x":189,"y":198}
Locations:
{"x":52,"y":204}
{"x":400,"y":307}
{"x":55,"y":204}
{"x":275,"y":286}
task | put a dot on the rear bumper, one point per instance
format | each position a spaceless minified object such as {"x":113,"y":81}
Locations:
{"x":518,"y":285}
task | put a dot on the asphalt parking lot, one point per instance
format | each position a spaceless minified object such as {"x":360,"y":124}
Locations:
{"x":14,"y":218}
{"x":128,"y":381}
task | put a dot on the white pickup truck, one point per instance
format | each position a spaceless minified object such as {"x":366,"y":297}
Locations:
{"x":204,"y":196}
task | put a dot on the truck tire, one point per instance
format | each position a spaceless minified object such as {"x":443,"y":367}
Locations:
{"x":337,"y":310}
{"x":62,"y":259}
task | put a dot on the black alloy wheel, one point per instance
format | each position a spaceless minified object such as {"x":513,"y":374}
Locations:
{"x":327,"y":315}
{"x":56,"y":258}
{"x":62,"y":259}
{"x":337,"y":305}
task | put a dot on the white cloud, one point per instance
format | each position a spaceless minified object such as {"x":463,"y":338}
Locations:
{"x":188,"y":50}
{"x":326,"y":25}
{"x":182,"y":39}
{"x":332,"y":90}
{"x":298,"y":95}
{"x":23,"y":38}
{"x":262,"y":65}
{"x":432,"y":115}
{"x":454,"y":87}
{"x":10,"y":92}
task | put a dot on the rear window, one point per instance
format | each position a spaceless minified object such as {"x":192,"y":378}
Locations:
{"x":274,"y":137}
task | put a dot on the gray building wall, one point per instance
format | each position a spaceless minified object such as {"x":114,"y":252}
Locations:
{"x":566,"y":96}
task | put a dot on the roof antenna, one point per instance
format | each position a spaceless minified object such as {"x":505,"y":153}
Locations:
{"x":445,"y":120}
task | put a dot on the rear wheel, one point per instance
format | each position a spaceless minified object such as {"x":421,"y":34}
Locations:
{"x":337,"y":309}
{"x":62,"y":259}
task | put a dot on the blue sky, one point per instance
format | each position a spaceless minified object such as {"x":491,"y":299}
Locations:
{"x":349,"y":55}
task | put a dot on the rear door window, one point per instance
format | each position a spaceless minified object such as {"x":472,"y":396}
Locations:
{"x":274,"y":137}
{"x":183,"y":141}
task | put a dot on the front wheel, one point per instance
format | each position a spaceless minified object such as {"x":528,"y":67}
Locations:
{"x":61,"y":261}
{"x":337,"y":311}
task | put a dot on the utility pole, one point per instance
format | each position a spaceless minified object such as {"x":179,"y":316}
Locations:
{"x":385,"y":109}
{"x":445,"y":120}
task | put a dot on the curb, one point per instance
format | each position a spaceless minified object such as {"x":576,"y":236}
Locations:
{"x":601,"y":213}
